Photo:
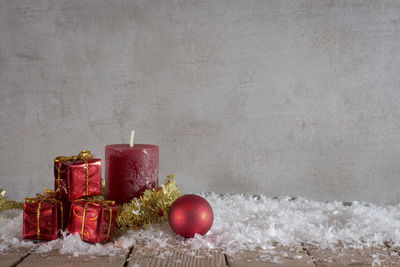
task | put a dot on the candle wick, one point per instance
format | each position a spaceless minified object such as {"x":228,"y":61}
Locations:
{"x":132,"y":137}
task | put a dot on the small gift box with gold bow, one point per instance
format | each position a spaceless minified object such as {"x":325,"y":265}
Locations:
{"x":77,"y":176}
{"x":93,"y":220}
{"x":44,"y":216}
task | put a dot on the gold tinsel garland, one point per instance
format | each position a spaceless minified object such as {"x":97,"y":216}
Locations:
{"x":6,"y":204}
{"x":152,"y":207}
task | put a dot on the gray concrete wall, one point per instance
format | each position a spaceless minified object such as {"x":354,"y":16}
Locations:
{"x":277,"y":97}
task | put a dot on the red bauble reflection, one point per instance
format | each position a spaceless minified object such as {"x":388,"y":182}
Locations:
{"x":190,"y":214}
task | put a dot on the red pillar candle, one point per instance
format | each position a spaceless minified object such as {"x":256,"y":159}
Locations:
{"x":130,"y":170}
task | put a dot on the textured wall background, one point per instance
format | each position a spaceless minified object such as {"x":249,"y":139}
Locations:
{"x":276,"y":97}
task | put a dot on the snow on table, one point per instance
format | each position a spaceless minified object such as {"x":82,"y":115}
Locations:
{"x":241,"y":223}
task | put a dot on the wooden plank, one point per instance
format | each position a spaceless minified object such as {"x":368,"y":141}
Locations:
{"x":57,"y":259}
{"x":275,"y":256}
{"x":341,"y":255}
{"x":11,"y":258}
{"x":146,"y":257}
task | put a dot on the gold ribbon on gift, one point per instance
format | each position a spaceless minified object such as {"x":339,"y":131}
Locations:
{"x":84,"y":155}
{"x":40,"y":199}
{"x":95,"y":201}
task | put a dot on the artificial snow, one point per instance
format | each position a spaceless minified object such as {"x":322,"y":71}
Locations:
{"x":241,"y":222}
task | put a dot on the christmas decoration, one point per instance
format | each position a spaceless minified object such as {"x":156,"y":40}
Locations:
{"x":43,"y":217}
{"x":77,"y":176}
{"x":152,"y":207}
{"x":6,"y":204}
{"x":65,"y":208}
{"x":190,"y":214}
{"x":129,"y":171}
{"x":77,"y":203}
{"x":94,"y":220}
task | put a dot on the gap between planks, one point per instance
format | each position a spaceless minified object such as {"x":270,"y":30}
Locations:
{"x":128,"y":256}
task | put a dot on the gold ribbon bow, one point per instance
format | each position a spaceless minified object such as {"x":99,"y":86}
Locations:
{"x":51,"y":197}
{"x":84,"y":155}
{"x":96,"y":201}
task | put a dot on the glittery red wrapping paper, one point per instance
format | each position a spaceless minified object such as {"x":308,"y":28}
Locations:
{"x":49,"y":220}
{"x":97,"y":221}
{"x":73,"y":178}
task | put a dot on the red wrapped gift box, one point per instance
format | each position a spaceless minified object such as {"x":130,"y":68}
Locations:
{"x":94,"y":220}
{"x":77,"y":176}
{"x":64,"y":208}
{"x":43,"y":217}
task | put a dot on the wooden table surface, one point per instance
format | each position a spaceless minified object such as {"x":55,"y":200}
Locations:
{"x":300,"y":255}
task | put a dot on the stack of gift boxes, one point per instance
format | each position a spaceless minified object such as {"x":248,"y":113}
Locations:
{"x":72,"y":206}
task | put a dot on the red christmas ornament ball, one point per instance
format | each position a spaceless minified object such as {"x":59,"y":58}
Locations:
{"x":190,"y":214}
